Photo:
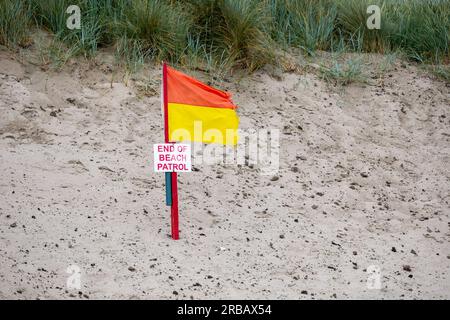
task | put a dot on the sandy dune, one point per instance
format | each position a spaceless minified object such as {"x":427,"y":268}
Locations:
{"x":364,"y":181}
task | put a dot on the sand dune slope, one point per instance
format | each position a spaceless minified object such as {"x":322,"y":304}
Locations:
{"x":364,"y":182}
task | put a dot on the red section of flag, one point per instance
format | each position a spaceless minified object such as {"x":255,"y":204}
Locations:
{"x":186,"y":90}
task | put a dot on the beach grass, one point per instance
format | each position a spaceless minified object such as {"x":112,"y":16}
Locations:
{"x":233,"y":33}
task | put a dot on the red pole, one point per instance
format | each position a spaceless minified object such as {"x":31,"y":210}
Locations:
{"x":174,"y":207}
{"x":165,"y":97}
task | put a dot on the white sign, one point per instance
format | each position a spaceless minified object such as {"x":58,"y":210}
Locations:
{"x":172,"y":157}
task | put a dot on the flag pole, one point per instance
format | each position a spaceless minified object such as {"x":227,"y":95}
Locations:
{"x":174,"y":208}
{"x":171,"y":177}
{"x":166,"y":116}
{"x":168,"y":176}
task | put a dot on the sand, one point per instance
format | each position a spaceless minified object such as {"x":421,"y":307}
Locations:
{"x":363,"y":185}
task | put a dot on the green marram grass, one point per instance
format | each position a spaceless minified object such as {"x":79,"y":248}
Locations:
{"x":232,"y":33}
{"x":15,"y":20}
{"x":307,"y":24}
{"x":161,"y":28}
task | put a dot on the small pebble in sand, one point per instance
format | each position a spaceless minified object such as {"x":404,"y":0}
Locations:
{"x":406,"y":268}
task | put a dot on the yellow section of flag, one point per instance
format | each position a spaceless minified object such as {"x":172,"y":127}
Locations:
{"x":202,"y":124}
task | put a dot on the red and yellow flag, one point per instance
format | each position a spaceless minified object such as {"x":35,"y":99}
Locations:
{"x":197,"y":112}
